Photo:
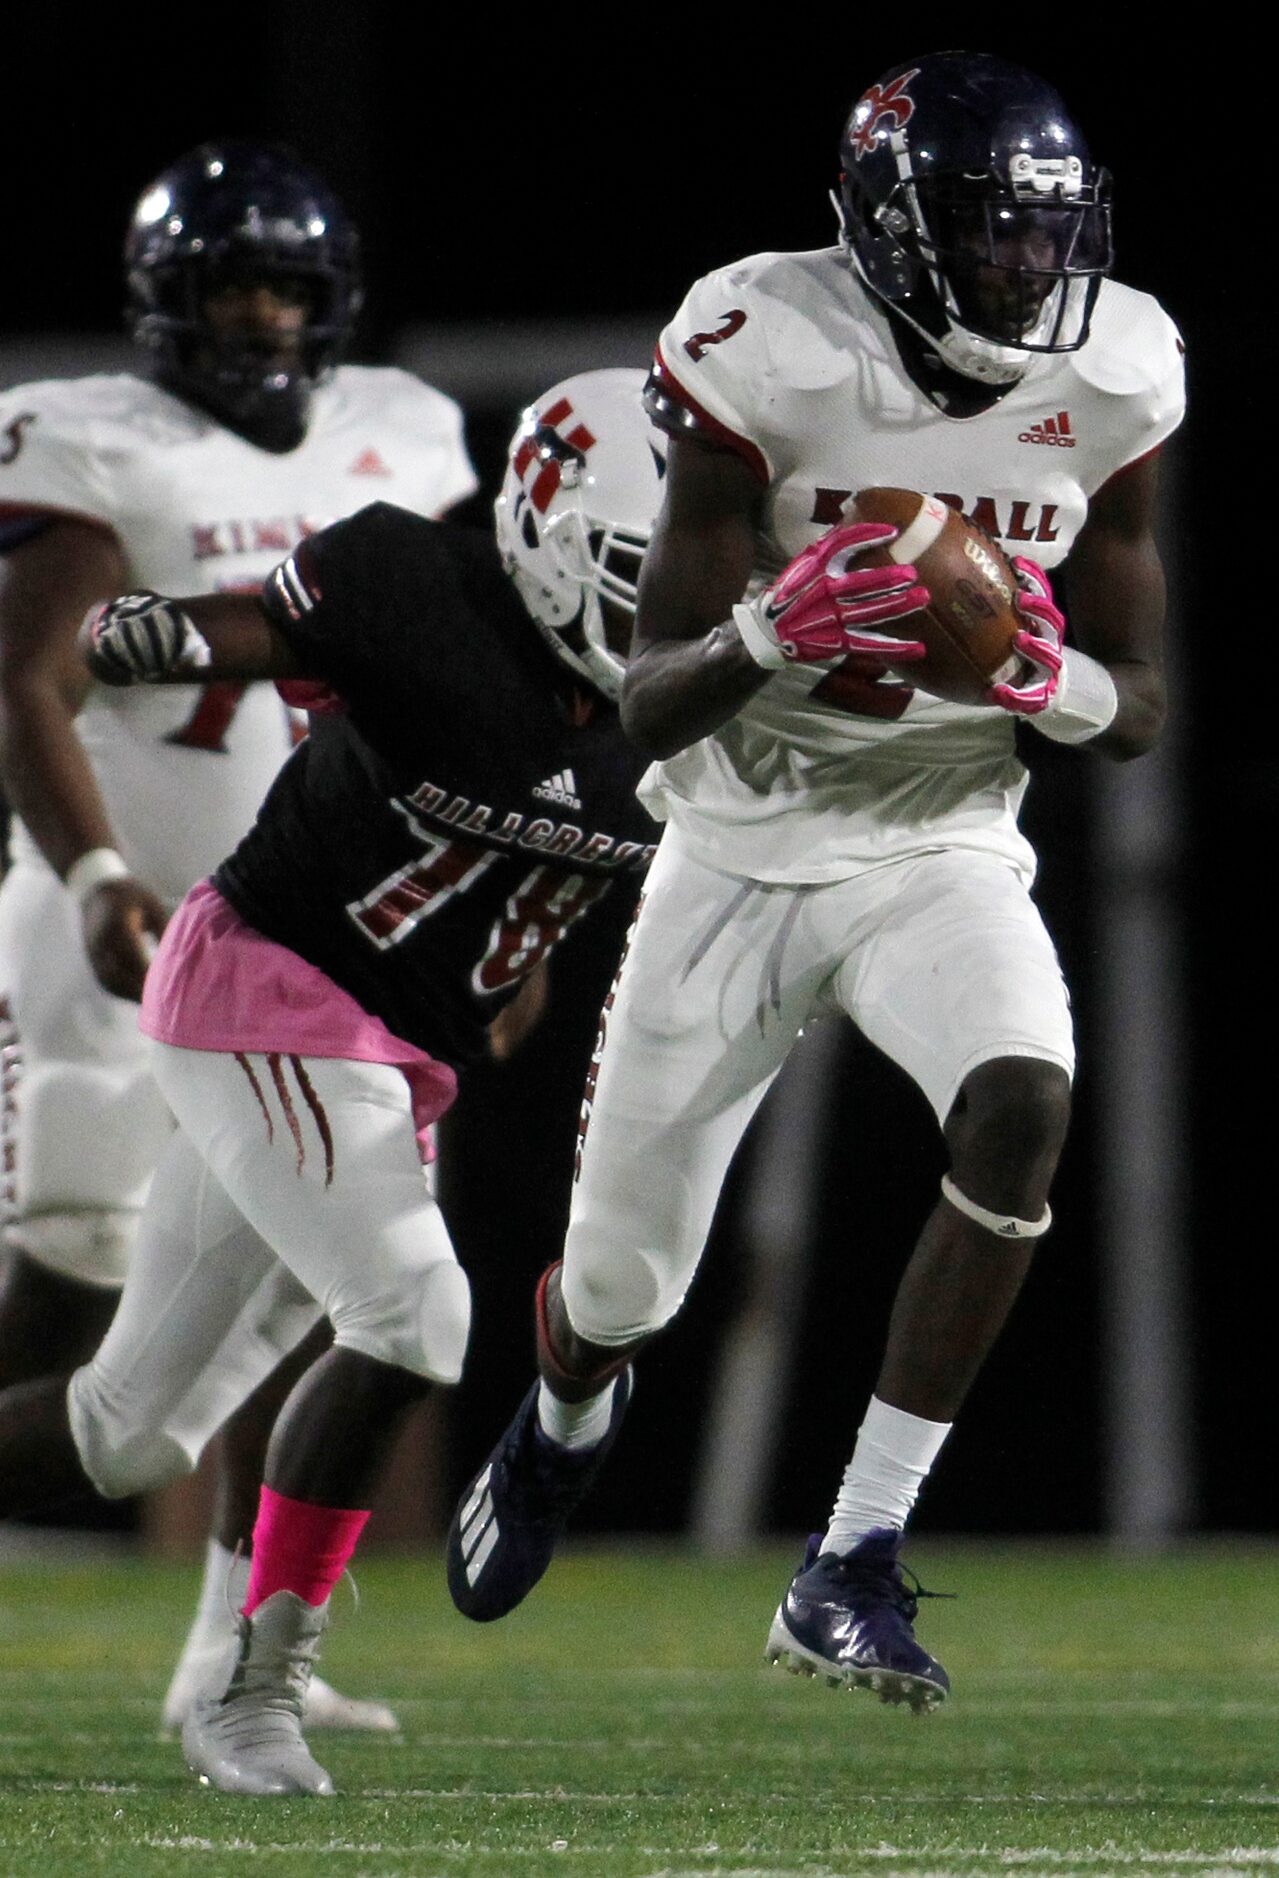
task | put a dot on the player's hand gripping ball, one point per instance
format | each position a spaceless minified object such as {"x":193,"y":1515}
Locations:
{"x":975,"y":621}
{"x":833,"y":599}
{"x":1039,"y":643}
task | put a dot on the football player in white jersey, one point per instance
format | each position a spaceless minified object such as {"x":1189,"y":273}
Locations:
{"x":240,"y":435}
{"x":836,"y":839}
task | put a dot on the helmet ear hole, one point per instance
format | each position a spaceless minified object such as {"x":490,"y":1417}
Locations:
{"x":889,"y":270}
{"x":528,"y":528}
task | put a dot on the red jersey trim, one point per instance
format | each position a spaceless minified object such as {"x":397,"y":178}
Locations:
{"x":36,"y":511}
{"x":750,"y":452}
{"x":1124,"y":468}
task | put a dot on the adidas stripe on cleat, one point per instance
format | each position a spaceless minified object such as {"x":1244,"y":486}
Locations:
{"x":505,"y":1528}
{"x":849,"y":1619}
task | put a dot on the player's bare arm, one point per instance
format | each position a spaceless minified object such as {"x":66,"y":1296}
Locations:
{"x":47,"y":583}
{"x":699,"y":669}
{"x":1117,"y":598}
{"x":689,"y":670}
{"x":515,"y":1023}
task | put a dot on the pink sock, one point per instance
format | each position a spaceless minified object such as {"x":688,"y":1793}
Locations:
{"x":299,"y":1547}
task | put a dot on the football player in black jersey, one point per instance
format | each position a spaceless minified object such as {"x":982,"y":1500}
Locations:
{"x":464,"y":797}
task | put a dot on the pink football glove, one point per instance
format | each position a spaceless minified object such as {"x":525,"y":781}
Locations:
{"x":1039,"y":644}
{"x":822,"y":607}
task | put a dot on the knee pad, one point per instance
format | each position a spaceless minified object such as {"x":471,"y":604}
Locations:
{"x":617,"y":1297}
{"x":89,"y":1246}
{"x":422,"y":1326}
{"x":119,"y":1457}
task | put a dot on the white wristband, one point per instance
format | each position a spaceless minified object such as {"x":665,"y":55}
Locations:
{"x":758,"y":641}
{"x":1085,"y":701}
{"x":92,"y":870}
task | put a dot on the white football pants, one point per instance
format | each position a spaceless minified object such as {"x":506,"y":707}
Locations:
{"x":83,"y":1123}
{"x":293,"y":1189}
{"x":942,"y":961}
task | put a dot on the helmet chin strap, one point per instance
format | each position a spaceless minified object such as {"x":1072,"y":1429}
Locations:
{"x":971,"y":357}
{"x":273,"y":417}
{"x":978,"y":359}
{"x":965,"y":352}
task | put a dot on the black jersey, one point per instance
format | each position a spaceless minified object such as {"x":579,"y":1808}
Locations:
{"x":430,"y":843}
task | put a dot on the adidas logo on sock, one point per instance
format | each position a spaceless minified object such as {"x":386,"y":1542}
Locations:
{"x":561,"y":788}
{"x":1055,"y":430}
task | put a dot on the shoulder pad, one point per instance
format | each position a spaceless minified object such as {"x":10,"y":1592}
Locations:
{"x":382,"y":388}
{"x":54,"y":435}
{"x":796,"y":314}
{"x":1133,"y":347}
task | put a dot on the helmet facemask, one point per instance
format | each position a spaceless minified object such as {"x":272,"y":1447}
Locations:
{"x":256,"y":381}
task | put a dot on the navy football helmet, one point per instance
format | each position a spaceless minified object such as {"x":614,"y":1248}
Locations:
{"x":239,"y":213}
{"x":971,"y":207}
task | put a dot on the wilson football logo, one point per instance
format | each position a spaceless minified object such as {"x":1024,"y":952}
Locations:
{"x":988,"y":567}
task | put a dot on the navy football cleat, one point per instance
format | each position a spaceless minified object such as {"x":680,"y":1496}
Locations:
{"x":507,"y":1522}
{"x":848,"y":1618}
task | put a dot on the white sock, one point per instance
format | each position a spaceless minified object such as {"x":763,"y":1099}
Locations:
{"x":890,"y":1463}
{"x":222,"y":1590}
{"x":575,"y":1424}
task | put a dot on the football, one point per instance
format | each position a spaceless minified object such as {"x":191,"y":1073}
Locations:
{"x":969,"y":626}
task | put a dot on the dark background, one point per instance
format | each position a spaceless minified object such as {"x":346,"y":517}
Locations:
{"x":502,"y":174}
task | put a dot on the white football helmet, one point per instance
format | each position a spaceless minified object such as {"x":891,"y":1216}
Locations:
{"x":576,"y":509}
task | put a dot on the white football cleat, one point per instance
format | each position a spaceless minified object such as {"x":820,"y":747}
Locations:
{"x":249,"y":1739}
{"x":326,"y":1707}
{"x":205,"y":1666}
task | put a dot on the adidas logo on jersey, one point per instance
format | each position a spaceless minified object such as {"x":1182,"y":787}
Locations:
{"x":369,"y":463}
{"x":561,"y":788}
{"x":1054,"y":430}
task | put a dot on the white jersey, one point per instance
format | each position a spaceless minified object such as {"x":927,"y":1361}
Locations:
{"x":198,"y":509}
{"x":788,"y":360}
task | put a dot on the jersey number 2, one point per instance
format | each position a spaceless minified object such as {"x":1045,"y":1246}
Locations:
{"x":856,"y":685}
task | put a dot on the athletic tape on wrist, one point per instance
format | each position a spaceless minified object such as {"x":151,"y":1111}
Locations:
{"x":1085,"y":702}
{"x":762,"y":647}
{"x":1003,"y":1225}
{"x":93,"y":870}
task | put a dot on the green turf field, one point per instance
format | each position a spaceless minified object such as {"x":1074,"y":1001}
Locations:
{"x":1108,"y":1717}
